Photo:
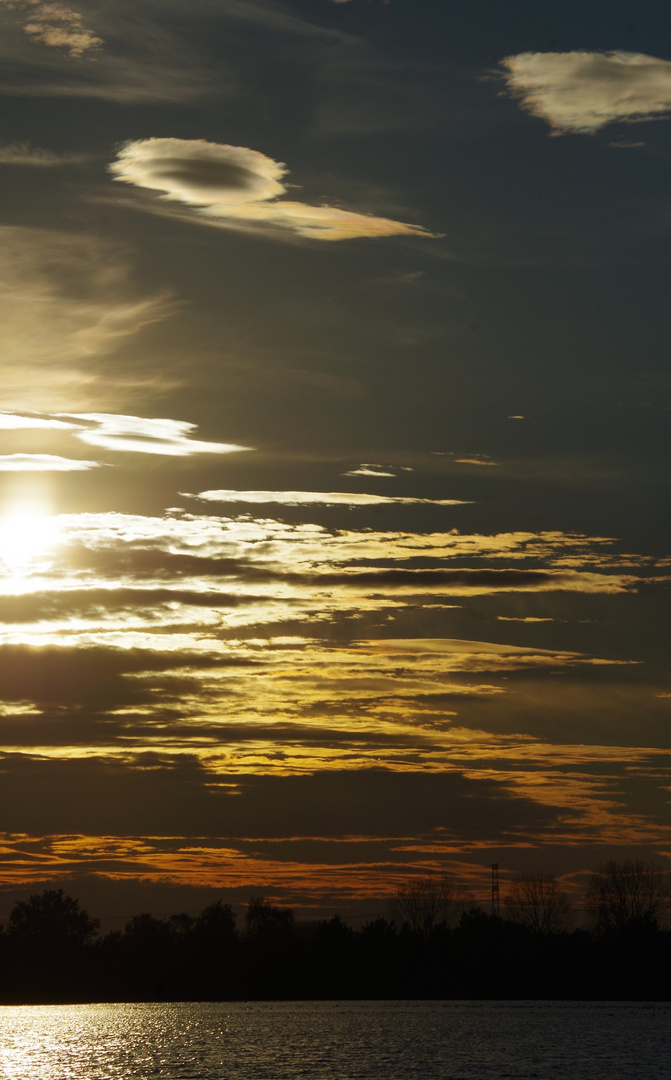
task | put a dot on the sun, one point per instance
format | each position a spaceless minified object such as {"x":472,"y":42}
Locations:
{"x":25,"y":538}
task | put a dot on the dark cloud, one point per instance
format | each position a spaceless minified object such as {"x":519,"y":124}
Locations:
{"x":489,"y":580}
{"x":98,"y":603}
{"x":94,"y":677}
{"x":159,"y":798}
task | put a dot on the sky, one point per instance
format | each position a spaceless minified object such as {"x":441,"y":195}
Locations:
{"x":334,"y":440}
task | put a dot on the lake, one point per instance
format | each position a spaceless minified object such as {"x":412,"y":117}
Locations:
{"x":367,"y":1040}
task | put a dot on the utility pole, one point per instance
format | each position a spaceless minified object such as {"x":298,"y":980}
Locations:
{"x":496,"y":904}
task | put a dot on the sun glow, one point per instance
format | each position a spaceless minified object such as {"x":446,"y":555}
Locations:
{"x":25,"y":538}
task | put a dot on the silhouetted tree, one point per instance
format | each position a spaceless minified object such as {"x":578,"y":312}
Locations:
{"x":427,"y":902}
{"x":151,"y":948}
{"x":272,"y":952}
{"x":215,"y":923}
{"x":381,"y":960}
{"x":216,"y":952}
{"x":47,"y":939}
{"x":50,"y":918}
{"x":147,"y":931}
{"x":622,"y":896}
{"x":536,"y":902}
{"x":331,"y":953}
{"x":182,"y":924}
{"x":266,"y":920}
{"x":48,"y":953}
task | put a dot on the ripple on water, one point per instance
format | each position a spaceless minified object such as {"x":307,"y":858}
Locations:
{"x":337,"y":1040}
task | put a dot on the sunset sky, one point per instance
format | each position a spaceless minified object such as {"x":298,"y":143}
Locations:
{"x":334,"y":443}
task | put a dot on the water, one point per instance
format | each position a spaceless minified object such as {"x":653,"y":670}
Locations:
{"x":338,"y":1041}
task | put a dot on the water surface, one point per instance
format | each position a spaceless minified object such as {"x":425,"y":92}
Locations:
{"x":337,"y":1041}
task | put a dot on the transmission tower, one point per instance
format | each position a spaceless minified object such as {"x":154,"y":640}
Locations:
{"x":496,"y":904}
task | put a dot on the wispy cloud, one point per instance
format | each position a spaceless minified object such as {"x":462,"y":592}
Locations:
{"x":137,"y":434}
{"x":317,"y":498}
{"x":126,"y":51}
{"x":21,"y":153}
{"x":235,"y":186}
{"x":524,"y":619}
{"x":119,"y":433}
{"x":43,"y":463}
{"x":370,"y":470}
{"x":16,"y":421}
{"x":475,"y":459}
{"x":584,"y":91}
{"x":67,"y":302}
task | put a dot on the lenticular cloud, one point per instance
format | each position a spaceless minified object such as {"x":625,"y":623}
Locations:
{"x":585,"y":91}
{"x":233,"y":185}
{"x":200,"y":173}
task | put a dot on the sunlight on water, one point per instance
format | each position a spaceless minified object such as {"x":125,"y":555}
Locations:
{"x":337,"y":1040}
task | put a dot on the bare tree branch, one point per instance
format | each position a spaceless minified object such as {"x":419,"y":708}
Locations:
{"x":427,"y":902}
{"x":627,"y":894}
{"x":536,"y":902}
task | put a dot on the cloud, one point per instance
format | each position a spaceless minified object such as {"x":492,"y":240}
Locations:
{"x":24,"y":154}
{"x":177,"y":799}
{"x":475,"y":459}
{"x":473,"y":582}
{"x":458,"y":648}
{"x":137,"y":434}
{"x":42,"y":463}
{"x":27,"y":421}
{"x":524,"y":619}
{"x":146,"y":50}
{"x":144,"y":58}
{"x":235,"y":186}
{"x":114,"y":431}
{"x":370,"y":470}
{"x":67,"y":301}
{"x":316,"y":498}
{"x":186,"y":584}
{"x":156,"y":677}
{"x":584,"y":91}
{"x":56,"y":25}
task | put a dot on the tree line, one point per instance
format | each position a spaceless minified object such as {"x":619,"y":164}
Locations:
{"x":435,"y":942}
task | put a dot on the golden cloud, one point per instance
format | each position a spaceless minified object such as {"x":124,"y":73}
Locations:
{"x":237,"y":186}
{"x":318,"y":498}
